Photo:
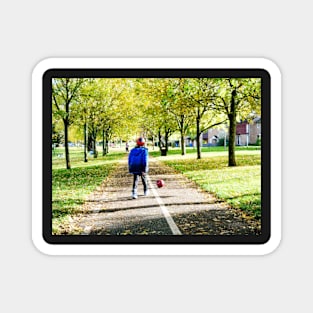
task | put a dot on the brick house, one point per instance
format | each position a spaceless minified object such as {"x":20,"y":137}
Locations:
{"x":212,"y":136}
{"x":246,"y":133}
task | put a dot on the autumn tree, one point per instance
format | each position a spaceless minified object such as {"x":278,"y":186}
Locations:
{"x":157,"y":120}
{"x":119,"y":116}
{"x":178,"y":104}
{"x":237,"y":98}
{"x":201,"y":93}
{"x":65,"y":92}
{"x":102,"y":111}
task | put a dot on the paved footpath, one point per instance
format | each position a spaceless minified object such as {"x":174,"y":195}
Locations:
{"x":177,"y":208}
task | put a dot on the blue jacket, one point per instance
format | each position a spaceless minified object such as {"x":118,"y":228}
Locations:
{"x":138,"y":160}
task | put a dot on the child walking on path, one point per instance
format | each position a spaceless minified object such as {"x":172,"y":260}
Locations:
{"x":138,"y":166}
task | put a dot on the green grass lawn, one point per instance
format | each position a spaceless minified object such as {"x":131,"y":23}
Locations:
{"x":239,"y":186}
{"x":204,"y":150}
{"x":71,"y":187}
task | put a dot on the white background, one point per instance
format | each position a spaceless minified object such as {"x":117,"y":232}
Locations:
{"x":34,"y":30}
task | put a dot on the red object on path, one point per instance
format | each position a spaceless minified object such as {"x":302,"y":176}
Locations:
{"x":160,"y":183}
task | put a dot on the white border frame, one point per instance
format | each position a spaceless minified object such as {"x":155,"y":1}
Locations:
{"x":156,"y":249}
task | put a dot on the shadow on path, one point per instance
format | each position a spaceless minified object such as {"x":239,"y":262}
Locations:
{"x":110,"y":210}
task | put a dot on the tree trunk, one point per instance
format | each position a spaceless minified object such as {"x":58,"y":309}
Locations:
{"x":89,"y":143}
{"x":182,"y":134}
{"x":160,"y":138}
{"x":94,"y":144}
{"x":106,"y":143}
{"x":85,"y":143}
{"x":232,"y":131}
{"x":166,"y":139}
{"x":182,"y":140}
{"x":95,"y":152}
{"x":67,"y":154}
{"x":103,"y":143}
{"x":198,"y":139}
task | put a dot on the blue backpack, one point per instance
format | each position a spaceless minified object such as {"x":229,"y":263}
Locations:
{"x":138,"y":160}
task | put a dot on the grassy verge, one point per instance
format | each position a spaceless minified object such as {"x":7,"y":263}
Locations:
{"x":239,"y":186}
{"x":71,"y":187}
{"x":204,"y":150}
